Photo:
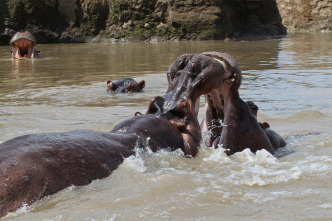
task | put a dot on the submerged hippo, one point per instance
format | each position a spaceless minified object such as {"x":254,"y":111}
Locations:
{"x":230,"y":120}
{"x":125,"y":85}
{"x":34,"y":166}
{"x":276,"y":140}
{"x":23,"y":45}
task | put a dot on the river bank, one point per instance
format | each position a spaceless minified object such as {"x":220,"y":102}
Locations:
{"x":59,"y":21}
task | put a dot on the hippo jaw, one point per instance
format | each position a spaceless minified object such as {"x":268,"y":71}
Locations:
{"x":24,"y":52}
{"x":233,"y":122}
{"x":214,"y":100}
{"x":23,"y":45}
{"x":193,"y":75}
{"x":189,"y":77}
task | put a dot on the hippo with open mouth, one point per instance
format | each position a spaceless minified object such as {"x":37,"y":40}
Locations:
{"x":231,"y":121}
{"x":23,"y":46}
{"x":37,"y":165}
{"x":189,"y":77}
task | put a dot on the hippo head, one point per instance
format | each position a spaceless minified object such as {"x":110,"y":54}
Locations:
{"x":125,"y":85}
{"x":136,"y":87}
{"x":189,"y":77}
{"x":214,"y":106}
{"x":110,"y":86}
{"x":23,"y":43}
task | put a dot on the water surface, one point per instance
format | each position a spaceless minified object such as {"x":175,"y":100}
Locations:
{"x":289,"y":79}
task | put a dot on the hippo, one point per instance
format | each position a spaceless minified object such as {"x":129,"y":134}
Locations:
{"x":23,"y":46}
{"x":37,"y":165}
{"x":189,"y":77}
{"x":125,"y":85}
{"x":231,"y":121}
{"x":276,"y":140}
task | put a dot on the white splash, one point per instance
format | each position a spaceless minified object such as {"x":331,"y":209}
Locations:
{"x":136,"y":161}
{"x":218,"y":155}
{"x":260,"y":176}
{"x":22,"y":210}
{"x":261,"y":157}
{"x":248,"y":168}
{"x":325,"y":206}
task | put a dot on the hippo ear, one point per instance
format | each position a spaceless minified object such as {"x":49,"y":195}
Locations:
{"x":109,"y":86}
{"x":264,"y":125}
{"x":138,"y":114}
{"x":141,"y":84}
{"x":156,"y":105}
{"x":131,"y":87}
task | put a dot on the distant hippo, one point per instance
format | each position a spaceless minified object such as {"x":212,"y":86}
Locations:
{"x":23,"y":46}
{"x":125,"y":85}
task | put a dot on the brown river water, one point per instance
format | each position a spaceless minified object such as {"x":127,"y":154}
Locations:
{"x":290,"y":79}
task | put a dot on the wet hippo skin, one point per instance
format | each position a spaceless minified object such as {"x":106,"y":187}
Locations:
{"x":37,"y":165}
{"x":275,"y":139}
{"x":240,"y":129}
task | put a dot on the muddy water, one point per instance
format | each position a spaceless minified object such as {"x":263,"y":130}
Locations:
{"x":290,"y":79}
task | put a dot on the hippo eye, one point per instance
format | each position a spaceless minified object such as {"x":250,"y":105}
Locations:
{"x":181,"y":65}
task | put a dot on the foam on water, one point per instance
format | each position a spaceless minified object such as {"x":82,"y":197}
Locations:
{"x":262,"y":157}
{"x":213,"y":177}
{"x":252,"y":169}
{"x":136,"y":161}
{"x":217,"y":155}
{"x":243,"y":168}
{"x":22,"y":210}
